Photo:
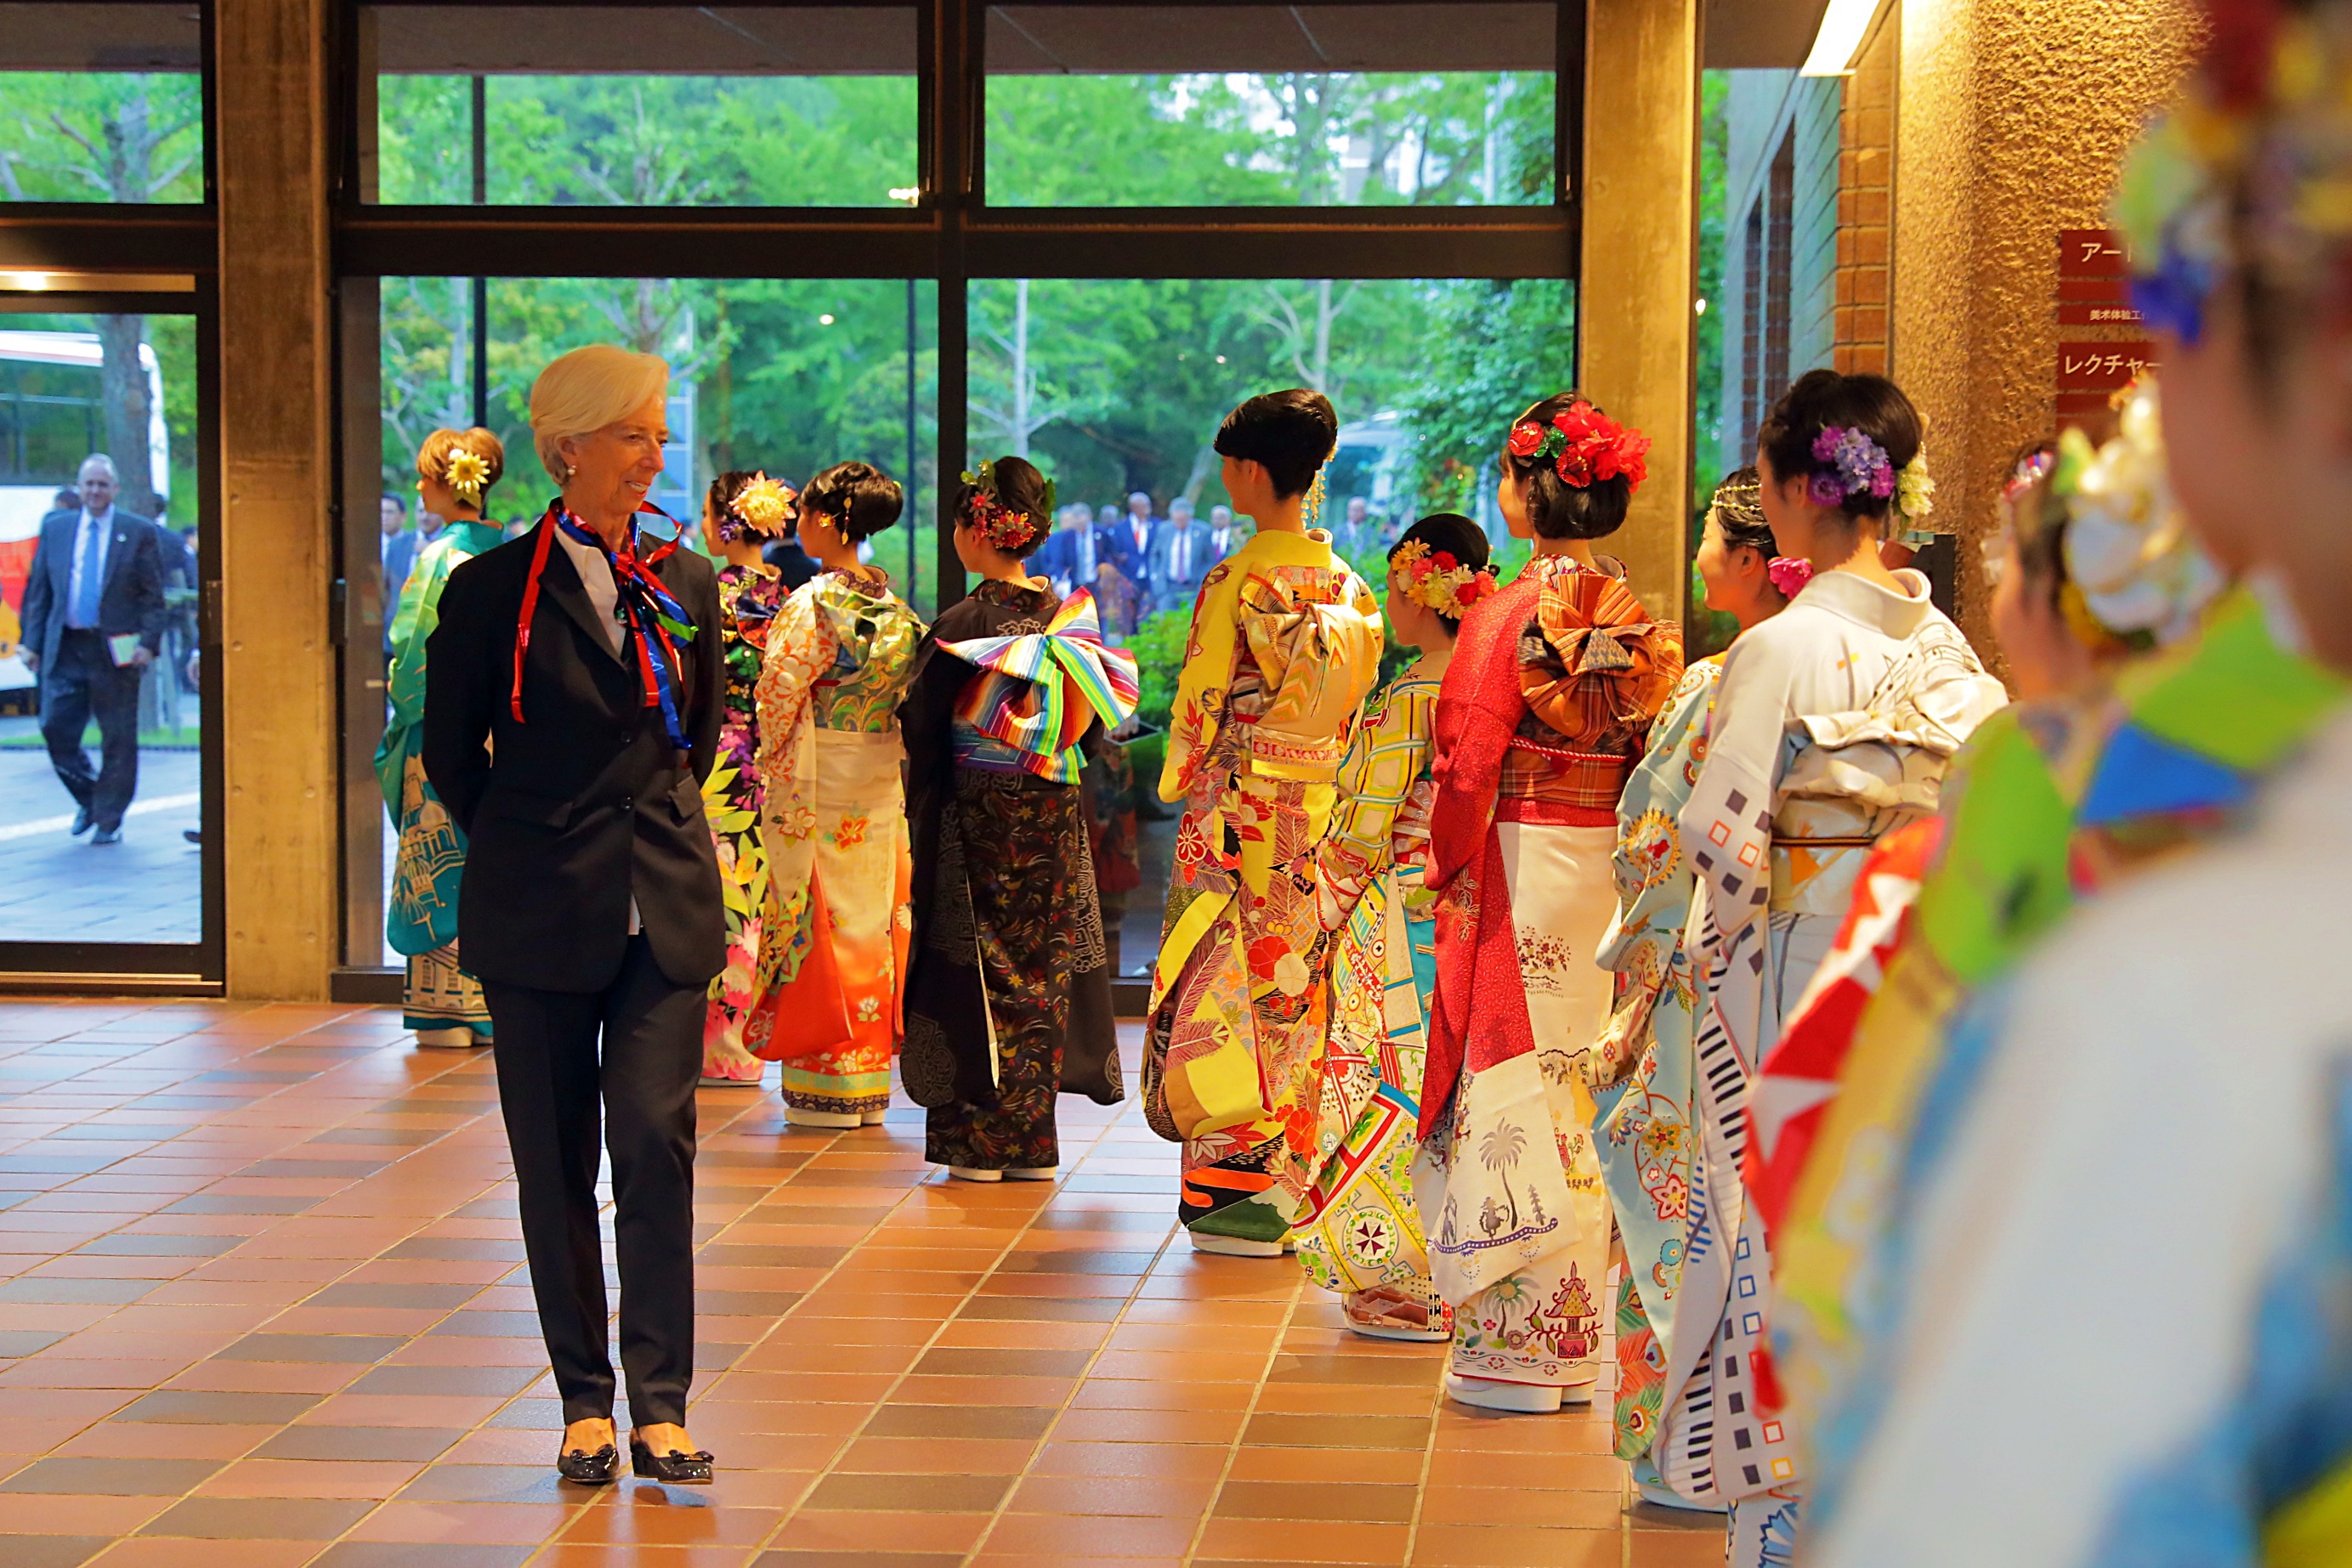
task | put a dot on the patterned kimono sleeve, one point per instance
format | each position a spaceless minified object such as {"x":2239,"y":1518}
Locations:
{"x":1199,"y":706}
{"x":1726,"y":826}
{"x":412,"y":627}
{"x":1387,"y":757}
{"x":801,"y":651}
{"x":898,"y":637}
{"x":1653,"y":876}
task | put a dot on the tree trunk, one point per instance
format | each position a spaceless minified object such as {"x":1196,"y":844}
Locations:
{"x":123,"y":383}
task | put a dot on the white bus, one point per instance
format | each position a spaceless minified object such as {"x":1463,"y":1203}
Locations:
{"x":52,"y":416}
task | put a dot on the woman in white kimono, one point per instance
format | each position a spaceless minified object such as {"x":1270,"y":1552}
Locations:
{"x":1833,"y":725}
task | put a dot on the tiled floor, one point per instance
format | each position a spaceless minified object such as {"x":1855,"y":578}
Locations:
{"x":264,"y":1306}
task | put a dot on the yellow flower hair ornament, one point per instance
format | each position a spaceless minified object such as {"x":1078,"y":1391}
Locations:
{"x":468,"y":475}
{"x":1438,"y":579}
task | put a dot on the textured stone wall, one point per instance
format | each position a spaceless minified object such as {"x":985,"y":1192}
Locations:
{"x":2012,"y":118}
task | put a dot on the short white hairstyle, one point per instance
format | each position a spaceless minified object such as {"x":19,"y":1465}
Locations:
{"x":586,"y":390}
{"x":102,"y":463}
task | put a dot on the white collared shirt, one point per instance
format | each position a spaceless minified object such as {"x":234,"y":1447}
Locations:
{"x":104,"y":523}
{"x":596,"y":572}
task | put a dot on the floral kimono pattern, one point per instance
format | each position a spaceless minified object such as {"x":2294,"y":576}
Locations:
{"x":1008,"y":999}
{"x":749,"y":597}
{"x":1359,"y":1231}
{"x":2051,"y":803}
{"x":1555,"y":682}
{"x":421,"y":922}
{"x":1647,"y":1083}
{"x":1833,"y":726}
{"x":1284,"y":644}
{"x":833,"y":928}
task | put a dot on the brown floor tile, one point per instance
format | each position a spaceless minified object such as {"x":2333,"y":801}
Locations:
{"x":1479,"y":1546}
{"x":258,"y":1519}
{"x":917,"y":1493}
{"x":794,"y":1558}
{"x":110,"y":1476}
{"x":910,"y":1420}
{"x":1674,"y":1549}
{"x":1162,"y":1462}
{"x":36,"y":1513}
{"x":1365,"y":1504}
{"x":936,"y":1456}
{"x":1154,"y":1496}
{"x":1045,"y":1534}
{"x":1268,"y":1540}
{"x":844,"y":1530}
{"x":148,"y":1552}
{"x":159,"y":1440}
{"x":55,"y":1551}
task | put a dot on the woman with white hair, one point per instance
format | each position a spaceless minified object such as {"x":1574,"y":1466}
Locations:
{"x":572,"y":708}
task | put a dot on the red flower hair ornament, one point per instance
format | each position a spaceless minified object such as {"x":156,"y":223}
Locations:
{"x":1584,"y":446}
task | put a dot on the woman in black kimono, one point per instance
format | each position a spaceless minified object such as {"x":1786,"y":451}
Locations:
{"x":1008,"y":996}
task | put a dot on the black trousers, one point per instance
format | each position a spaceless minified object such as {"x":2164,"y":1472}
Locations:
{"x":552,"y":1076}
{"x":82,"y":683}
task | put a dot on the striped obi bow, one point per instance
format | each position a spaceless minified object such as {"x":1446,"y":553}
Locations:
{"x":1036,"y":695}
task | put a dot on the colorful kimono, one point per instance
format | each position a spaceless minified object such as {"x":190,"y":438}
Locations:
{"x":1360,"y":1232}
{"x":2051,"y":802}
{"x":2136,"y":1229}
{"x":833,"y":930}
{"x":439,"y":998}
{"x":1285,"y":641}
{"x":1554,"y":686}
{"x":1008,"y":1003}
{"x":1647,"y":1092}
{"x":1833,"y":726}
{"x":749,"y":597}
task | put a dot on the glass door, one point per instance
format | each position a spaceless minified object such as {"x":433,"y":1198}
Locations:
{"x":107,"y":565}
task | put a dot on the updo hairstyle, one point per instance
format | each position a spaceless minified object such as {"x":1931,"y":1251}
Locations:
{"x":860,"y":498}
{"x":2038,"y":518}
{"x":1556,"y":509}
{"x":1020,"y":490}
{"x":434,"y":456}
{"x":1823,"y":400}
{"x":1448,"y":533}
{"x":1737,"y":513}
{"x":1291,"y":433}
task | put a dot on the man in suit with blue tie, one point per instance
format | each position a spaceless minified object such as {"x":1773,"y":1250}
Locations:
{"x":94,"y":618}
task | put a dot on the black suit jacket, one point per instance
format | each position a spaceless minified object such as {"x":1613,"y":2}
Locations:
{"x":130,"y":598}
{"x":585,"y":802}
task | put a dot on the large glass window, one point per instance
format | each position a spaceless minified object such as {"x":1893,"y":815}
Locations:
{"x":101,"y":767}
{"x":641,"y":106}
{"x":1115,"y":387}
{"x":101,"y":103}
{"x":1271,"y":106}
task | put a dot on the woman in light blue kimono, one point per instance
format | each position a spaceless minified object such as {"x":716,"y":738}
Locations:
{"x":1659,"y":1154}
{"x":440,"y":1002}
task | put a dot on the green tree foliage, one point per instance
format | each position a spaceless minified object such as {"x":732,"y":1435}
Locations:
{"x":101,"y":136}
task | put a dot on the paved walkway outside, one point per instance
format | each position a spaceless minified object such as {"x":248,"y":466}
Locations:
{"x":55,"y":887}
{"x":264,"y":1306}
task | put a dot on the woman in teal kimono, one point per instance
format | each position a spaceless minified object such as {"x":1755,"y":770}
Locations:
{"x":455,"y":471}
{"x":1658,"y":1155}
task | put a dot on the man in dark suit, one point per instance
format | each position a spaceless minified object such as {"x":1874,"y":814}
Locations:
{"x":1181,"y":558}
{"x":591,"y":906}
{"x":96,"y":579}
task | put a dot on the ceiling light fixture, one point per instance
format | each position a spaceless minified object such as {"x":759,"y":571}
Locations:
{"x":1842,"y":27}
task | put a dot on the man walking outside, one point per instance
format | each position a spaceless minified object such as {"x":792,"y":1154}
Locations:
{"x":94,"y":618}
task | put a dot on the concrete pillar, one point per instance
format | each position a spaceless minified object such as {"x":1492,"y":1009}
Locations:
{"x":1639,"y":264}
{"x":2012,"y":116}
{"x":276,"y":682}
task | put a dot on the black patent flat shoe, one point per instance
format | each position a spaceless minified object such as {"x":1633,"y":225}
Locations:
{"x":600,"y":1468}
{"x":677,"y":1468}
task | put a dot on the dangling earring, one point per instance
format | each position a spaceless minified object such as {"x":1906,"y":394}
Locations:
{"x":1315,"y":501}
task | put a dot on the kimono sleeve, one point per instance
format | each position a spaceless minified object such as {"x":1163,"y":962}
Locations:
{"x":1387,"y":755}
{"x":801,"y":651}
{"x":1199,"y":711}
{"x":1726,"y":826}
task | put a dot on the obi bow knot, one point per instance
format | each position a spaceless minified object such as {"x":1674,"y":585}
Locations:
{"x":1036,"y":693}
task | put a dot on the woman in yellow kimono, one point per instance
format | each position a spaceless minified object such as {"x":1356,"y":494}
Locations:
{"x":740,"y":514}
{"x":1285,"y":641}
{"x":1361,"y":1235}
{"x":439,"y":1000}
{"x":833,"y":933}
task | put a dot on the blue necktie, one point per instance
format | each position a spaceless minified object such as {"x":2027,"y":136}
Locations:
{"x":85,"y":599}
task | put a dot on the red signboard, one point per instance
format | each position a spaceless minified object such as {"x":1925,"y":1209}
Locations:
{"x":2102,"y":367}
{"x":2090,"y":253}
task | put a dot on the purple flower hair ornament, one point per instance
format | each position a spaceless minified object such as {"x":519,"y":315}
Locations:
{"x":1857,"y":466}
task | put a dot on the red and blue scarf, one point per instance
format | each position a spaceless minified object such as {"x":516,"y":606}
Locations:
{"x":658,"y":624}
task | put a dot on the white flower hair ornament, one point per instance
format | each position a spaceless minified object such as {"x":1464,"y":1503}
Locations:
{"x":2143,"y":575}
